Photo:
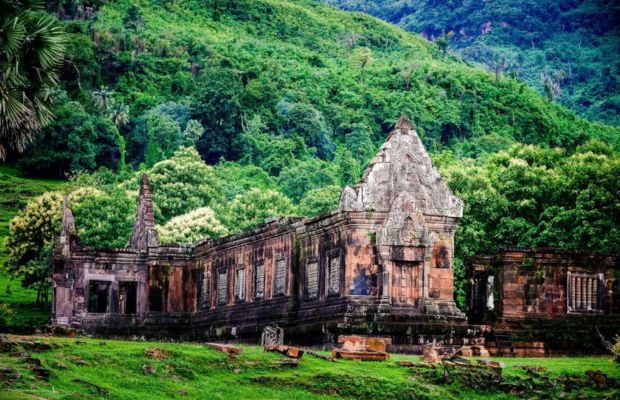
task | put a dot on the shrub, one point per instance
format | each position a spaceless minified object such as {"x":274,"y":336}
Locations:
{"x":195,"y":225}
{"x":615,"y":349}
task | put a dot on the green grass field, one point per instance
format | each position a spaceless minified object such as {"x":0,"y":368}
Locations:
{"x":15,"y":191}
{"x":99,"y":368}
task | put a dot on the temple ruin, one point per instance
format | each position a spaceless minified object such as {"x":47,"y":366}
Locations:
{"x":382,"y":262}
{"x":549,"y":300}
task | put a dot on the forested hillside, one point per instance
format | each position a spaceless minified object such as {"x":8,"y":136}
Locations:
{"x":286,"y":102}
{"x":567,"y":50}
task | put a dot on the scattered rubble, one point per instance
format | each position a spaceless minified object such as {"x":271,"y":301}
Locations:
{"x":9,"y":376}
{"x":8,"y":345}
{"x":492,"y":364}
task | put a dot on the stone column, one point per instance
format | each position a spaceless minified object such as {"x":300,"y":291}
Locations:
{"x":425,"y":270}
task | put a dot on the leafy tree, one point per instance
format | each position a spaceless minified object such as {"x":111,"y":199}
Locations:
{"x":192,"y":133}
{"x":236,"y":178}
{"x":321,"y":200}
{"x":254,"y":206}
{"x":30,"y":232}
{"x":30,"y":236}
{"x":157,"y":133}
{"x":217,"y":105}
{"x":198,"y":224}
{"x":305,"y":121}
{"x":443,"y":43}
{"x":552,"y":84}
{"x":133,"y":18}
{"x":105,"y":220}
{"x":74,"y":141}
{"x":361,"y":57}
{"x":295,"y":181}
{"x":183,"y":183}
{"x":163,"y":138}
{"x":31,"y":50}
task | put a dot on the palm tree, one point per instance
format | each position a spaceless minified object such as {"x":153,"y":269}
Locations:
{"x":31,"y":50}
{"x":103,"y":99}
{"x":119,"y":114}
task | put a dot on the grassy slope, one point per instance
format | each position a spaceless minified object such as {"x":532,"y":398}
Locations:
{"x":191,"y":371}
{"x":15,"y":191}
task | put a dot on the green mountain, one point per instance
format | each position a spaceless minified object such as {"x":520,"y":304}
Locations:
{"x":288,"y":77}
{"x":576,"y":42}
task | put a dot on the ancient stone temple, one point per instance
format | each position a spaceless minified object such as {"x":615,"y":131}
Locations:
{"x":382,"y":263}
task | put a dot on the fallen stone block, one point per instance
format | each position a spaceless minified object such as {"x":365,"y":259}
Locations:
{"x":471,"y":351}
{"x":465,"y":351}
{"x":148,"y":369}
{"x":414,"y":364}
{"x":430,"y":355}
{"x":372,"y":343}
{"x":492,"y":364}
{"x":360,"y":355}
{"x":289,"y":351}
{"x":96,"y":388}
{"x":318,"y":355}
{"x":42,"y":372}
{"x":285,"y":362}
{"x":156,"y":353}
{"x":224,"y":348}
{"x":599,"y":378}
{"x":530,"y":368}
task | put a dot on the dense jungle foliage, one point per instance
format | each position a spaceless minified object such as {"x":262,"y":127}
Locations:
{"x":565,"y":49}
{"x":240,"y":110}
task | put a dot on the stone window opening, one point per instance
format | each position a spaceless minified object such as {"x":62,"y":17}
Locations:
{"x":222,"y":287}
{"x":155,"y":298}
{"x":206,"y":292}
{"x":259,"y":280}
{"x":279,"y":281}
{"x":333,"y":276}
{"x":127,"y":297}
{"x":312,"y":280}
{"x":98,"y":296}
{"x":584,"y":292}
{"x":240,"y":284}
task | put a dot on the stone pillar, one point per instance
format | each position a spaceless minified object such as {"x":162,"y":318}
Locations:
{"x":144,"y":234}
{"x":425,"y":270}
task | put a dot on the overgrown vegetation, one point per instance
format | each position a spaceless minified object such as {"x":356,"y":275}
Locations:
{"x":17,"y":303}
{"x":80,"y":367}
{"x":567,"y":50}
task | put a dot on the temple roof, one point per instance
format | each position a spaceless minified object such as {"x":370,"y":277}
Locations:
{"x":402,"y":165}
